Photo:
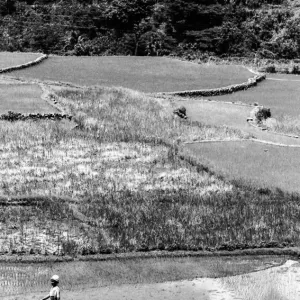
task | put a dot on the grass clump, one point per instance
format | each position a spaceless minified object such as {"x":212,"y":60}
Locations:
{"x":286,"y":124}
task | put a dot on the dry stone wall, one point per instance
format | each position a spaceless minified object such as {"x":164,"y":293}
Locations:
{"x":15,"y":116}
{"x":220,"y":91}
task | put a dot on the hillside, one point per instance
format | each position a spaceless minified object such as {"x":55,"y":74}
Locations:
{"x":267,"y":28}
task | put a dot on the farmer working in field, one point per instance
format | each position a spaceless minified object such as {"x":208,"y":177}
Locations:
{"x":54,"y":292}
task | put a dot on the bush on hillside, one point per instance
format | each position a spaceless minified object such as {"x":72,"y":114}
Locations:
{"x":262,"y":114}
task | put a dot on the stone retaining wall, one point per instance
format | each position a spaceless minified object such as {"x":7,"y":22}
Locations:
{"x":220,"y":91}
{"x":26,"y":65}
{"x":15,"y":116}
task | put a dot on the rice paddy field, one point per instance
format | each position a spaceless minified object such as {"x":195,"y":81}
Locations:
{"x":283,"y":97}
{"x":8,"y":59}
{"x":219,"y":114}
{"x":146,"y":74}
{"x":26,"y":281}
{"x":262,"y":164}
{"x":23,"y":98}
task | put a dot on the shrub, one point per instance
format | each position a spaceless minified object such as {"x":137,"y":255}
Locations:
{"x":293,"y":69}
{"x":262,"y":114}
{"x":270,"y":69}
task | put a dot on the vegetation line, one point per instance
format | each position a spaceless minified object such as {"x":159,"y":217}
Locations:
{"x":290,"y":251}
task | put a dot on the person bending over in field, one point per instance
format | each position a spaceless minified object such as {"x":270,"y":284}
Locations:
{"x":54,"y":292}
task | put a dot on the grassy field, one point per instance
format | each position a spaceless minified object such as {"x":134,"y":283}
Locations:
{"x":263,"y":164}
{"x":121,"y":182}
{"x":281,"y":96}
{"x":33,"y":278}
{"x":9,"y":59}
{"x":123,"y":158}
{"x":147,"y":74}
{"x":23,"y":98}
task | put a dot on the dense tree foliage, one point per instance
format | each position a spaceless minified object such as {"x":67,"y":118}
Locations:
{"x":267,"y":28}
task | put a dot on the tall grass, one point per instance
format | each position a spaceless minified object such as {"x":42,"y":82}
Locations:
{"x":120,"y":115}
{"x":286,"y":124}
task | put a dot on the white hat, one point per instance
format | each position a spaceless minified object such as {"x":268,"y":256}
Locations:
{"x":55,"y":278}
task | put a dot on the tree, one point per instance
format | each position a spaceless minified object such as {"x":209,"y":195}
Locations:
{"x":7,"y":7}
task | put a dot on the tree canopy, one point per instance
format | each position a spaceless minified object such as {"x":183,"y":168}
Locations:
{"x":150,"y":27}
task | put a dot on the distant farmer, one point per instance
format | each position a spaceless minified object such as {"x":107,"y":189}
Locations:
{"x":54,"y":292}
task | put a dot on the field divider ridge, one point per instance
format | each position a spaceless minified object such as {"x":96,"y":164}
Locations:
{"x":274,"y":144}
{"x":254,"y":140}
{"x":253,"y":81}
{"x":223,"y":102}
{"x":284,"y":251}
{"x":215,"y":141}
{"x":25,"y":65}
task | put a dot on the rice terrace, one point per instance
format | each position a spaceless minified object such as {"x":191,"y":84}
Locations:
{"x":147,"y":177}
